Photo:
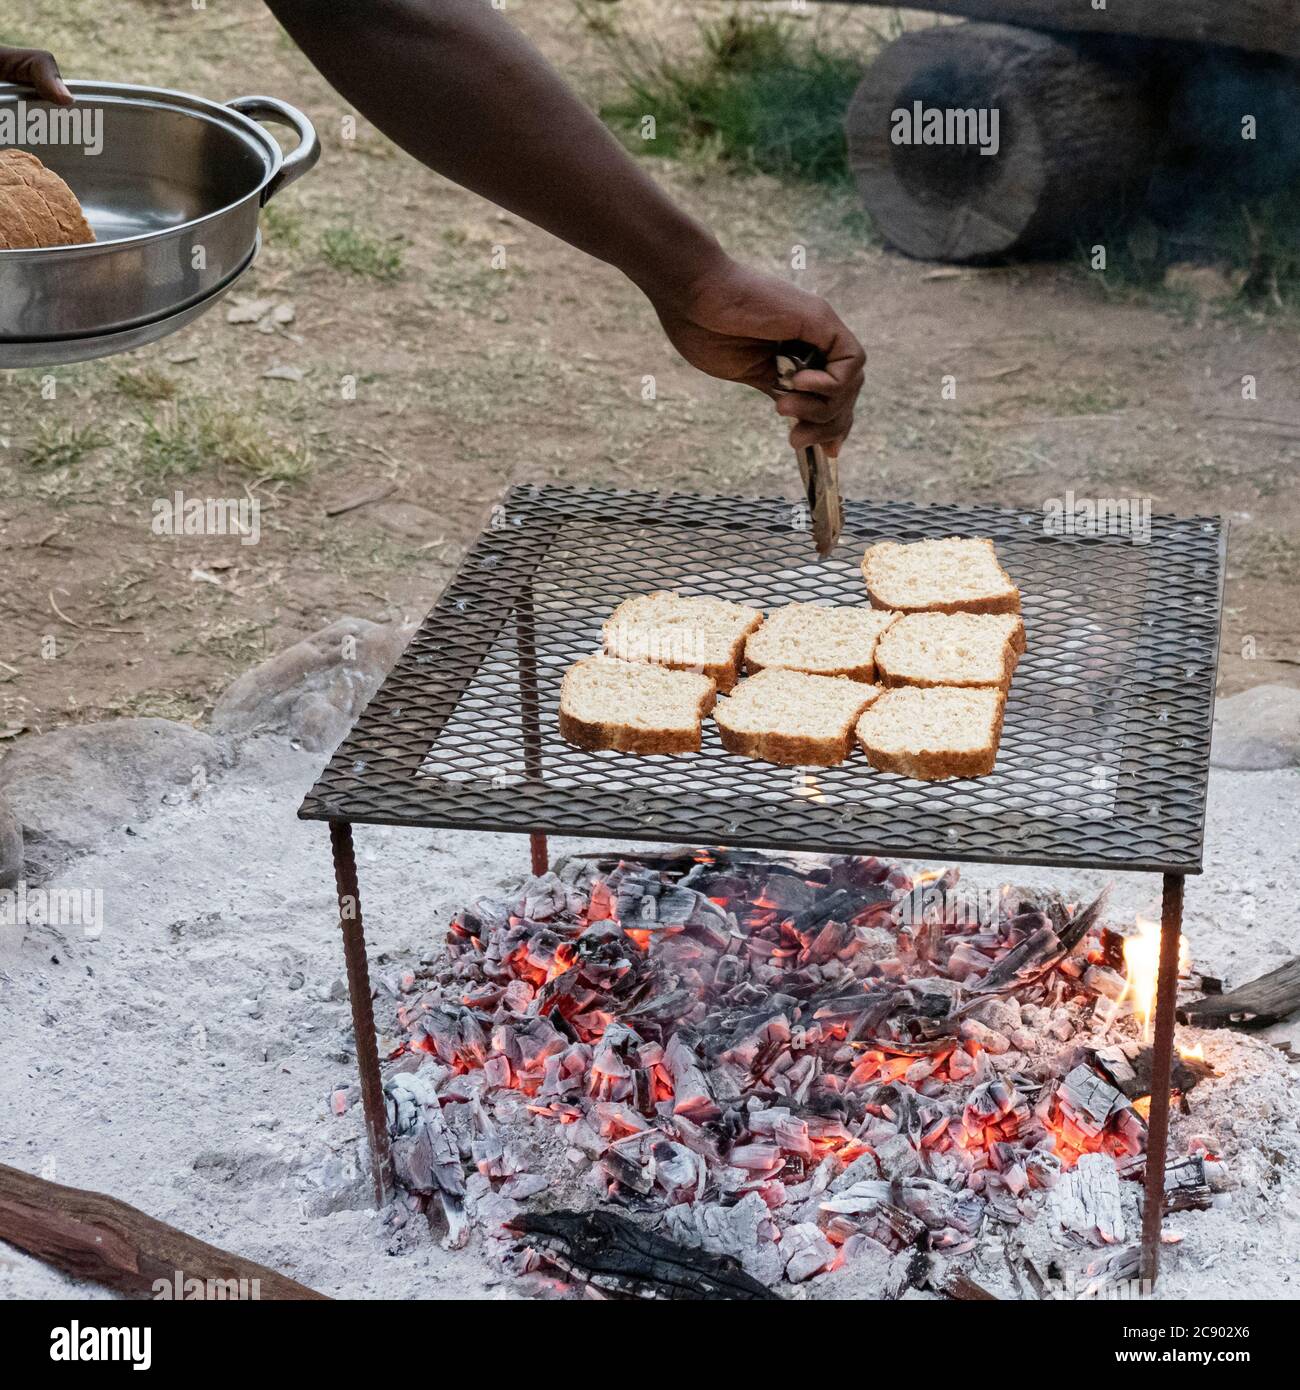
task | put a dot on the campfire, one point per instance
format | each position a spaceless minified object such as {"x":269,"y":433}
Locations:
{"x":793,"y":1064}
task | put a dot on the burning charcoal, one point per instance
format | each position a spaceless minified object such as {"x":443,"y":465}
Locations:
{"x":543,"y":899}
{"x":1187,"y":1186}
{"x":1089,"y":1100}
{"x":898,"y":1159}
{"x":485,"y":916}
{"x":630,"y":1164}
{"x":425,"y":1156}
{"x":892,"y":1227}
{"x":1104,"y":981}
{"x":973,"y":1031}
{"x":756,"y":1158}
{"x":1086,"y":1201}
{"x":618,"y":1257}
{"x":806,"y":1251}
{"x":745,"y":1232}
{"x":524,"y":1185}
{"x":862,"y":1197}
{"x":961,"y":1065}
{"x":1043,"y":1168}
{"x":967,"y":961}
{"x":691,"y":1094}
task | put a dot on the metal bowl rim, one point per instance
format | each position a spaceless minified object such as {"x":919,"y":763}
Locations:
{"x":185,"y":103}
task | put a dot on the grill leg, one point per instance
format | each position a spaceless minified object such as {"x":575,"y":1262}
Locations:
{"x":1162,"y":1064}
{"x":530,"y":712}
{"x":363,"y":1017}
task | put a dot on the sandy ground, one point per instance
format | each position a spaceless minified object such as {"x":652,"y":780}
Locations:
{"x":183,"y":1060}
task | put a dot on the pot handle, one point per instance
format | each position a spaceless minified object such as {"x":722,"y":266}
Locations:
{"x":303,"y":158}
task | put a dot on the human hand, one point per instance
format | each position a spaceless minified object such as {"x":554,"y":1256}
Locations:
{"x":728,"y":323}
{"x":33,"y":67}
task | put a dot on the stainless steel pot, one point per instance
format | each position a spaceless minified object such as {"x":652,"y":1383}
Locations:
{"x":173,"y":197}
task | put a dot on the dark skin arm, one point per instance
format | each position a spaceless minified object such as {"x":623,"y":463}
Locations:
{"x":457,"y":86}
{"x":33,"y":67}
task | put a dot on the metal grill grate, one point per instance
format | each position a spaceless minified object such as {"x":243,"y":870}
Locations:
{"x":1104,"y":752}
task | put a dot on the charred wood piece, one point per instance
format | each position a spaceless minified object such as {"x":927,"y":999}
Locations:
{"x":1128,"y":1068}
{"x":616,"y":1256}
{"x":1269,"y":999}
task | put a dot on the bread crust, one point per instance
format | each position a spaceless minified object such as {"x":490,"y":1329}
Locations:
{"x":623,"y":738}
{"x":940,"y":764}
{"x":594,"y":735}
{"x":787,"y":749}
{"x":1001,"y":603}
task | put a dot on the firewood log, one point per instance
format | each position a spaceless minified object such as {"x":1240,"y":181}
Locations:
{"x":1075,"y":143}
{"x":1264,"y":26}
{"x":91,"y":1236}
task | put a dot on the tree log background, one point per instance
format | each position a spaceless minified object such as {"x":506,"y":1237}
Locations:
{"x":1263,"y":26}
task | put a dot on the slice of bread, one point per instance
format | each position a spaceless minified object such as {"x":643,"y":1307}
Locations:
{"x":818,"y":639}
{"x":949,"y":576}
{"x":685,"y":634}
{"x":935,"y":732}
{"x":633,"y":707}
{"x":960,"y":649}
{"x":791,"y":718}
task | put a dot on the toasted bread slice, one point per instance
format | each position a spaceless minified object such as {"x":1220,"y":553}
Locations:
{"x":791,"y":718}
{"x":933,"y":733}
{"x":948,"y":576}
{"x":633,"y":707}
{"x":959,"y":649}
{"x":685,"y":634}
{"x":818,"y":639}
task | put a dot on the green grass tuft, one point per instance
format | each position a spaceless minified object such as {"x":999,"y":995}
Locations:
{"x":58,"y":444}
{"x":763,"y":95}
{"x":347,"y":250}
{"x":144,"y":384}
{"x":176,"y":443}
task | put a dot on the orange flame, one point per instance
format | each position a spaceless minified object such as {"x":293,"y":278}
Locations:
{"x":1142,"y":966}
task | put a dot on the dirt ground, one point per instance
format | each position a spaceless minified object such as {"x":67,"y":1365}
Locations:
{"x":469,"y":377}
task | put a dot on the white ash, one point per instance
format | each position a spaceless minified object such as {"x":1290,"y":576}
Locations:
{"x":127,"y":1064}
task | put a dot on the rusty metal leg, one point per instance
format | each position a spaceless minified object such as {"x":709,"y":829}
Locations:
{"x":363,"y":1016}
{"x":530,"y":712}
{"x":1162,"y":1064}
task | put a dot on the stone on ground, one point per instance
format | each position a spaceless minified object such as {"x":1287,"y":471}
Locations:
{"x":70,"y":788}
{"x":11,"y":846}
{"x":313,"y":691}
{"x":1258,"y":730}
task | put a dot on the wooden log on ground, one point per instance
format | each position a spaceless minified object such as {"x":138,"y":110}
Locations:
{"x":91,"y":1236}
{"x":1040,"y":140}
{"x":1269,"y":999}
{"x":1263,"y":26}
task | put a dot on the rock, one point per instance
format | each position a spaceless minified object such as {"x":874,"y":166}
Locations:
{"x":70,"y":788}
{"x":11,"y":846}
{"x":1257,"y":730}
{"x":313,"y":691}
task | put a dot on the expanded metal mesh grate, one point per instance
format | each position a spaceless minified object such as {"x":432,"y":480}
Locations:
{"x":1104,"y":752}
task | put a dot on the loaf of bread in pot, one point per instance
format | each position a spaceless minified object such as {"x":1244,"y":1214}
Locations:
{"x":37,"y":208}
